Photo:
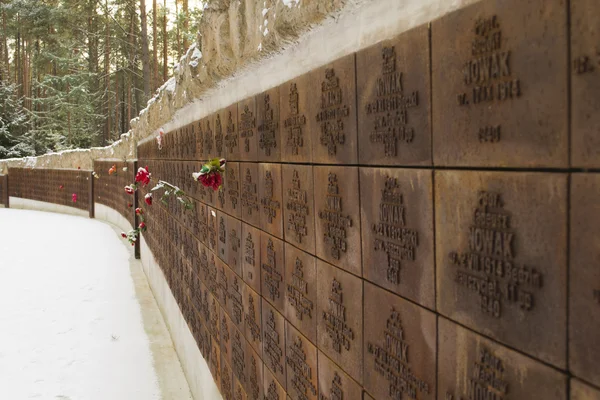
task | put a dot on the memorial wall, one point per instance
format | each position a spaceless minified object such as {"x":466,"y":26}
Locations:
{"x":418,"y":220}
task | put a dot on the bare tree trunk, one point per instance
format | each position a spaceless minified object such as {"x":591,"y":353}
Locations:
{"x":117,"y":102}
{"x":165,"y":44}
{"x":107,"y":75}
{"x":185,"y":24}
{"x":155,"y":83}
{"x":5,"y":40}
{"x":177,"y":30}
{"x":145,"y":55}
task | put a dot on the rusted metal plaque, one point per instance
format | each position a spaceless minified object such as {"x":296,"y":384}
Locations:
{"x":239,"y":353}
{"x":212,"y":230}
{"x":205,"y":138}
{"x":226,"y":380}
{"x":247,"y":129}
{"x":254,"y":372}
{"x":252,"y":320}
{"x":581,"y":391}
{"x":294,"y":115}
{"x":271,"y":199}
{"x":584,"y":279}
{"x":214,"y":324}
{"x":224,"y":277}
{"x":334,"y":383}
{"x":227,"y":329}
{"x":229,"y":195}
{"x":340,"y":318}
{"x":397,"y":231}
{"x":394,"y":108}
{"x":472,"y":367}
{"x":298,"y":214}
{"x":234,"y":244}
{"x":273,"y":390}
{"x":585,"y":84}
{"x":202,"y":213}
{"x":251,"y":256}
{"x":399,"y":336}
{"x":235,"y":302}
{"x":269,"y":132}
{"x":301,"y":365}
{"x":337,"y":217}
{"x":301,"y":291}
{"x":367,"y":396}
{"x":499,"y":78}
{"x":214,"y":362}
{"x":222,"y":237}
{"x":272,"y":270}
{"x":273,"y":325}
{"x":108,"y":188}
{"x":250,"y":202}
{"x":501,"y":245}
{"x":332,"y":112}
{"x":229,"y":117}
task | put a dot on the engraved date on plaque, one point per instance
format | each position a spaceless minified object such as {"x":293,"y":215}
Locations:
{"x":235,"y":296}
{"x":390,"y":107}
{"x":333,"y":111}
{"x":391,"y":360}
{"x":272,"y":346}
{"x":219,"y":134}
{"x":335,"y":319}
{"x":249,"y":194}
{"x":486,"y":379}
{"x":297,"y":292}
{"x":294,"y":124}
{"x":231,"y":138}
{"x":488,"y":73}
{"x":298,"y":206}
{"x":251,"y":320}
{"x":335,"y":221}
{"x":392,"y":236}
{"x":249,"y":254}
{"x":233,"y":188}
{"x":247,"y":125}
{"x":488,"y":267}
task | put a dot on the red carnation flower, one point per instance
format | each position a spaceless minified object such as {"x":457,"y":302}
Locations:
{"x":129,"y":189}
{"x":142,"y":226}
{"x":129,"y":205}
{"x":74,"y":197}
{"x":139,"y":211}
{"x":123,"y":235}
{"x":148,"y":199}
{"x":143,"y":176}
{"x":217,"y":180}
{"x":61,"y":187}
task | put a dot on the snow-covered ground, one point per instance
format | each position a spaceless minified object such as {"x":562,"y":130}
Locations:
{"x":71,"y":325}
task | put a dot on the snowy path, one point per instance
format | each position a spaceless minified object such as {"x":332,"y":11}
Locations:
{"x":77,"y":320}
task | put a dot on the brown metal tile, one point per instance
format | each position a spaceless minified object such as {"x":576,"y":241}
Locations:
{"x":398,"y":333}
{"x":301,"y":365}
{"x":337,"y":217}
{"x":252,"y":319}
{"x":584,"y":280}
{"x":394,"y":101}
{"x":205,"y":140}
{"x":214,"y":362}
{"x":397,"y":231}
{"x":229,"y":117}
{"x":334,"y":383}
{"x":202,"y":212}
{"x":295,"y":135}
{"x":585,"y":84}
{"x":212,"y":230}
{"x":340,"y":318}
{"x":235,"y":303}
{"x":273,"y":325}
{"x":251,"y":256}
{"x":232,"y":190}
{"x":220,"y":130}
{"x":254,"y":372}
{"x":214,"y":324}
{"x":501,"y":257}
{"x":470,"y":366}
{"x":273,"y":390}
{"x":247,"y":129}
{"x":226,"y":380}
{"x":234,"y":245}
{"x":581,"y":391}
{"x":227,"y":329}
{"x":222,"y":237}
{"x":269,"y":132}
{"x":499,"y":75}
{"x":224,"y":276}
{"x":298,"y":195}
{"x":301,"y":291}
{"x":332,"y":113}
{"x":271,"y":199}
{"x":249,"y":194}
{"x":272,"y":270}
{"x":239,"y":354}
{"x":239,"y":392}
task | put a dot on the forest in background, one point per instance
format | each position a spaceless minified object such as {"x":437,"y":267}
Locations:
{"x":73,"y":73}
